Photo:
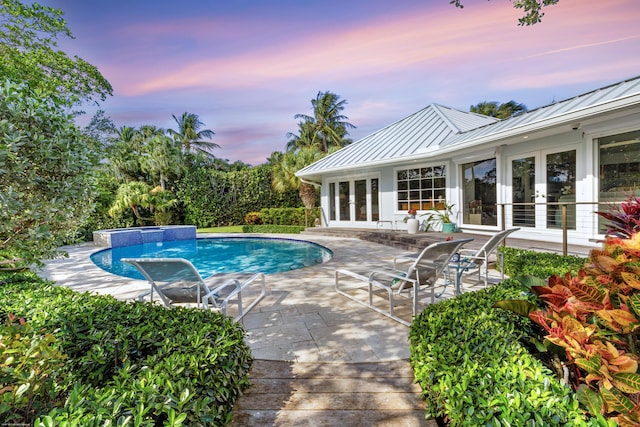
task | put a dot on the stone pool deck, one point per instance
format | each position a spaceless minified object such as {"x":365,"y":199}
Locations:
{"x":301,"y":318}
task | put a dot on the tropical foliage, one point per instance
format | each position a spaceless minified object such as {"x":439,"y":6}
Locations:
{"x":475,"y":368}
{"x":532,"y":9}
{"x":78,"y":359}
{"x":212,"y":197}
{"x":189,"y":134}
{"x":327,"y":127}
{"x":593,"y":319}
{"x":319,"y":135}
{"x":46,"y":184}
{"x":499,"y":111}
{"x":29,"y":54}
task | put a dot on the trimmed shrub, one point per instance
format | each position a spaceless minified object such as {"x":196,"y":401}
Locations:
{"x":290,"y":216}
{"x":252,"y":218}
{"x":268,"y":228}
{"x":524,"y":262}
{"x":474,"y":369}
{"x":132,"y":363}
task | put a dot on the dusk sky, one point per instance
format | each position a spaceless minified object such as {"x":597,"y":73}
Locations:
{"x":246,"y":67}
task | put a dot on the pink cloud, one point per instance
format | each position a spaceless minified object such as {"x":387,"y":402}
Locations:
{"x":437,"y":38}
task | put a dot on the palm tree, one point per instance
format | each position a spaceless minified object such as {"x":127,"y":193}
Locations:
{"x":189,"y":133}
{"x":284,"y":173}
{"x":304,"y":138}
{"x":132,"y":195}
{"x":328,"y":125}
{"x":124,"y":152}
{"x":162,"y":158}
{"x":499,"y":111}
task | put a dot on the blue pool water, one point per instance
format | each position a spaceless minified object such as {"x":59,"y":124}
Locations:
{"x":219,"y":255}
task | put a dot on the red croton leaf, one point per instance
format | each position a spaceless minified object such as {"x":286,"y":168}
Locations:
{"x":630,"y":279}
{"x":606,"y":263}
{"x":618,"y":320}
{"x":586,"y":292}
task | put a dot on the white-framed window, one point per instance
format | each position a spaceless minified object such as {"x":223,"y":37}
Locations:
{"x":421,"y":188}
{"x":619,"y":170}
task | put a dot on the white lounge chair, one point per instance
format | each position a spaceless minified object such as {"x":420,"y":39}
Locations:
{"x":418,"y":278}
{"x":478,"y":260}
{"x":176,"y":280}
{"x":469,"y":261}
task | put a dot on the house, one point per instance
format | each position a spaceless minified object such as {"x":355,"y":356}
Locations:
{"x":564,"y":160}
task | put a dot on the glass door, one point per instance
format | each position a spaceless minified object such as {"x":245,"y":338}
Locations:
{"x":541,"y":183}
{"x":561,"y":188}
{"x":523,"y":191}
{"x":355,"y":201}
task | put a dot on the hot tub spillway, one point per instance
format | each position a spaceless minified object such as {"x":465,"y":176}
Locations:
{"x":118,"y":237}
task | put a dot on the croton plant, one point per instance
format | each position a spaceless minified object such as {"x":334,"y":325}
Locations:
{"x":594,"y":318}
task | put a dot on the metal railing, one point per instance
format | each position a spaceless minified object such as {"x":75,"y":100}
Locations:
{"x":564,"y":216}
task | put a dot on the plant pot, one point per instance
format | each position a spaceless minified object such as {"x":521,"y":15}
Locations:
{"x":448,"y":227}
{"x":412,"y":225}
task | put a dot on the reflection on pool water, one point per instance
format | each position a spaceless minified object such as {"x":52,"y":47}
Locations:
{"x":219,"y":255}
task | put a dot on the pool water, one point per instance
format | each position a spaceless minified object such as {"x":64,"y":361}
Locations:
{"x":219,"y":255}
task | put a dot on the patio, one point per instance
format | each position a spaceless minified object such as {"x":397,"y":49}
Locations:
{"x":302,"y":318}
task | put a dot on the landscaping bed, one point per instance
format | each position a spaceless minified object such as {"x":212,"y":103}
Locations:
{"x":479,"y":366}
{"x":70,"y":358}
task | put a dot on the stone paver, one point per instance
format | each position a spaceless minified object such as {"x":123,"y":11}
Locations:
{"x":301,"y":319}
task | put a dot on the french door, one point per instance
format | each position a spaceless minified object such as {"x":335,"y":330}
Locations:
{"x":539,"y":183}
{"x":354,"y":201}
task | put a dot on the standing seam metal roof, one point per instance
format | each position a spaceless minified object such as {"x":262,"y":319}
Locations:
{"x":429,"y":127}
{"x":437,"y":126}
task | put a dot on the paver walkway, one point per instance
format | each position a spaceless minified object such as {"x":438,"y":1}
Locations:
{"x":331,"y":394}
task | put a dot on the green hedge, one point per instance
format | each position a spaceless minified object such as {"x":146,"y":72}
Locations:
{"x":475,"y":371}
{"x":290,"y":216}
{"x":267,"y":228}
{"x":216,"y":198}
{"x":126,"y":363}
{"x":524,"y":262}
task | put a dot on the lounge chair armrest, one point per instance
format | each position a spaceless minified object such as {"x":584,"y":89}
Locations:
{"x":218,"y":290}
{"x":398,"y":259}
{"x":390,"y":275}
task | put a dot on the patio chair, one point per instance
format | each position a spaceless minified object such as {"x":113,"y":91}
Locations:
{"x":176,"y":281}
{"x":478,"y":260}
{"x":469,"y":261}
{"x":423,"y":273}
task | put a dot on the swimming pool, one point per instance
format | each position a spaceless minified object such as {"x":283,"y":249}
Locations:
{"x":219,"y":255}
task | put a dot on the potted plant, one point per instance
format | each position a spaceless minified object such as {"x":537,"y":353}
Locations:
{"x":443,"y":217}
{"x":412,"y":223}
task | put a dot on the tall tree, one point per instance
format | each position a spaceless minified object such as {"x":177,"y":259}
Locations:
{"x":161,"y":159}
{"x":189,"y":133}
{"x":499,"y":111}
{"x":532,"y":9}
{"x":124,"y":153}
{"x":304,"y":137}
{"x":328,"y":126}
{"x":28,"y":53}
{"x":46,"y":185}
{"x":284,"y":173}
